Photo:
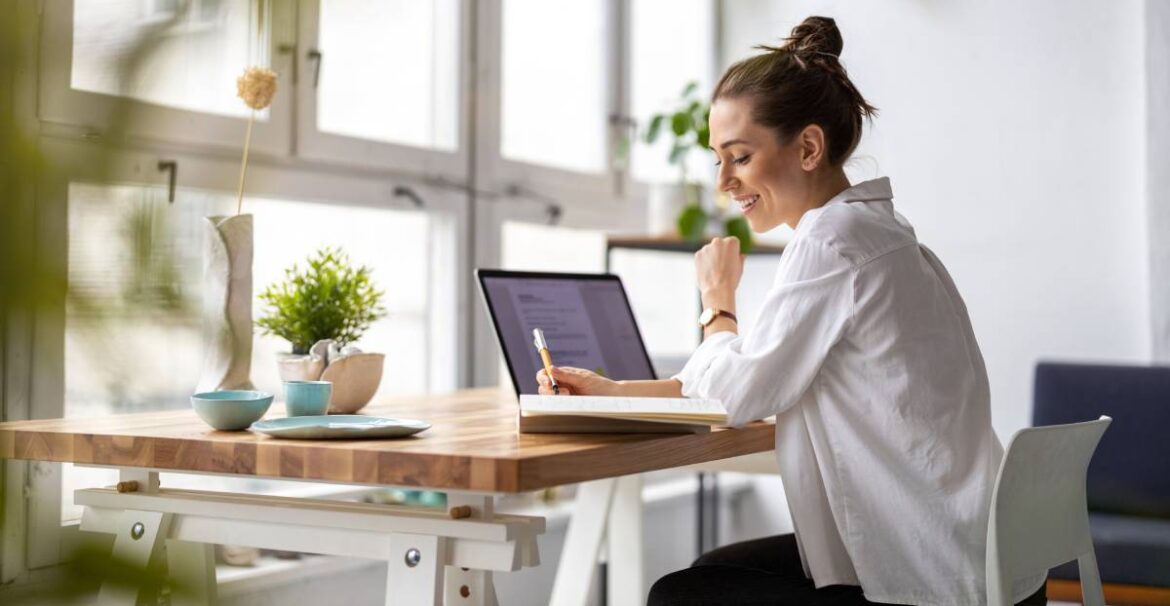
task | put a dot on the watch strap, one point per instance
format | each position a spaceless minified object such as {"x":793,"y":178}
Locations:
{"x":717,"y":313}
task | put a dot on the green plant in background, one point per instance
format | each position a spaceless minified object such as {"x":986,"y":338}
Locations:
{"x":688,"y":125}
{"x":330,"y":299}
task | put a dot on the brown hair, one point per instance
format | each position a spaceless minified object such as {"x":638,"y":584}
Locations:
{"x":799,"y":83}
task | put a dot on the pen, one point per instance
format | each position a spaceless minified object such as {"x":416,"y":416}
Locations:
{"x":542,"y":347}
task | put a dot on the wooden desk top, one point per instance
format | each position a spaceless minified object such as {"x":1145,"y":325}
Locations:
{"x":473,"y":444}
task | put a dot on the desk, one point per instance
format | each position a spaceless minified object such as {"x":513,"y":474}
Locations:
{"x":473,"y":451}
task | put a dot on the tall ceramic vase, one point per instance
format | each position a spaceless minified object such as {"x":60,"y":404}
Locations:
{"x":227,"y":303}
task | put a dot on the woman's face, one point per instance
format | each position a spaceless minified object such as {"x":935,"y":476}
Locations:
{"x":763,"y":175}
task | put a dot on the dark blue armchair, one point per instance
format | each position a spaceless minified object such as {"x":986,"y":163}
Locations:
{"x":1129,"y":479}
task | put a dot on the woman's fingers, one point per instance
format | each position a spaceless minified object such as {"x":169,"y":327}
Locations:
{"x":567,"y":379}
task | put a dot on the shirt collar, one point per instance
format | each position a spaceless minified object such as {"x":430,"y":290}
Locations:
{"x":866,"y":191}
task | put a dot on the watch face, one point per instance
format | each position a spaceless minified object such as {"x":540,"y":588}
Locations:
{"x":706,"y":317}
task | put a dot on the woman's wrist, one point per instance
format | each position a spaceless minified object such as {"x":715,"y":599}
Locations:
{"x":718,"y":298}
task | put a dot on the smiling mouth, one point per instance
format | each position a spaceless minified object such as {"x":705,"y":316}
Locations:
{"x":746,"y":203}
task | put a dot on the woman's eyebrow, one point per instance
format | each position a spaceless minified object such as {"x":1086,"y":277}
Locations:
{"x":727,"y":144}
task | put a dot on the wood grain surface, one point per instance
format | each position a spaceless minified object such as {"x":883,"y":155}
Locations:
{"x":473,"y":444}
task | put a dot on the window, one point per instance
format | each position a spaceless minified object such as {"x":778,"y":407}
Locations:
{"x":673,"y":44}
{"x":388,"y":71}
{"x":180,"y":51}
{"x":555,"y":86}
{"x":165,"y":70}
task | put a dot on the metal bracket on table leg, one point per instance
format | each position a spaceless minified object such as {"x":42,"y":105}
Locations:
{"x":415,"y":573}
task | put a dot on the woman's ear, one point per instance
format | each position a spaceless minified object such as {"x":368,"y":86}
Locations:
{"x":812,"y":147}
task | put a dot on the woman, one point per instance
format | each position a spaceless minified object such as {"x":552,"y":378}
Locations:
{"x":864,"y":352}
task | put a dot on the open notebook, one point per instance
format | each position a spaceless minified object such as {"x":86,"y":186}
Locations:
{"x":592,"y":414}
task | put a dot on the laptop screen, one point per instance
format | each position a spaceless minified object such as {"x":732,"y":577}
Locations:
{"x":586,"y":319}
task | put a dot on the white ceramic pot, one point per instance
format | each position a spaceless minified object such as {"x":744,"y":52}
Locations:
{"x":297,"y":367}
{"x":667,"y":201}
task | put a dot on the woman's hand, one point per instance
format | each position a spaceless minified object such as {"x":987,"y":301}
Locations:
{"x":718,"y":267}
{"x":576,"y":381}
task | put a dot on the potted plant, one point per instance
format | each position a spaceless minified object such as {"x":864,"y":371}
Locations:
{"x":322,"y":310}
{"x":687,"y":124}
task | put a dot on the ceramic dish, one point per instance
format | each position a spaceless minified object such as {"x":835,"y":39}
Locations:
{"x":232,"y":410}
{"x":339,"y":427}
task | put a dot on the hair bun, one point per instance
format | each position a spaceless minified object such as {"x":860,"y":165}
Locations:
{"x":815,"y":35}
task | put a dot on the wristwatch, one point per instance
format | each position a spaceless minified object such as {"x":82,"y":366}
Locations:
{"x":708,"y":316}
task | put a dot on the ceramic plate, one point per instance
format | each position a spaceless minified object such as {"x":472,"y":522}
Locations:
{"x":339,"y":427}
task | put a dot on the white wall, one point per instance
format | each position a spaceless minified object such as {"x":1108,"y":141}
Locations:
{"x":1014,"y":137}
{"x":1158,"y":177}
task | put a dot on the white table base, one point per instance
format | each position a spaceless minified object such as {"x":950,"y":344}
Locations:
{"x":432,"y":559}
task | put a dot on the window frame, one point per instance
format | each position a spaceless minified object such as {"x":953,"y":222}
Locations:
{"x":93,"y":115}
{"x":517,"y":179}
{"x":315,"y":144}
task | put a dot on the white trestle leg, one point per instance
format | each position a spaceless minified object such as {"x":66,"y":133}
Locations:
{"x":624,"y":544}
{"x":583,"y":543}
{"x":138,"y":544}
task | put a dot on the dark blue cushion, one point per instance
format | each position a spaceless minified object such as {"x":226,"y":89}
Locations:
{"x":1130,"y":549}
{"x":1130,"y":472}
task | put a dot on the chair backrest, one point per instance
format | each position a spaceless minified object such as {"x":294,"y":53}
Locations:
{"x":1039,"y":517}
{"x":1130,"y":473}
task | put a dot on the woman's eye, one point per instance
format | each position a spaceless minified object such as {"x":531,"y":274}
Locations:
{"x":742,"y":159}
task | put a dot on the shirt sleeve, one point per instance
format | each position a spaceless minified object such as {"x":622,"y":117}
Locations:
{"x":766,"y":371}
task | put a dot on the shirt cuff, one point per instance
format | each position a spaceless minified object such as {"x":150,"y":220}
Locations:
{"x":700,"y":361}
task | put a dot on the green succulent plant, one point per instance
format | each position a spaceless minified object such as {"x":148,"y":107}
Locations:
{"x":329,"y":299}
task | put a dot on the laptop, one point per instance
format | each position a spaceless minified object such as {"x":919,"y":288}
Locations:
{"x":586,"y":319}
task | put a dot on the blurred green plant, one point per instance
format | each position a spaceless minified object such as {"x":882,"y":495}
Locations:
{"x":688,"y":128}
{"x":31,"y":281}
{"x":330,"y":299}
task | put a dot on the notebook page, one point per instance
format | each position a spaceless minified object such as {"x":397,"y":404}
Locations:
{"x":621,"y":405}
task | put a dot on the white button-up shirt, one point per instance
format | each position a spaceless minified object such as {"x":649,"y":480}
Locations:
{"x":865,"y":354}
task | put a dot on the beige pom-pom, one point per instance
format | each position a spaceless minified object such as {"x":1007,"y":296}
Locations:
{"x":257,"y":87}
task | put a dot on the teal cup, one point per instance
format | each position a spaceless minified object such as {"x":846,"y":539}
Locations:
{"x":307,"y":398}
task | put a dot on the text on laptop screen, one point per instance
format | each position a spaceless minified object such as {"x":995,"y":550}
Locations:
{"x":587,"y":323}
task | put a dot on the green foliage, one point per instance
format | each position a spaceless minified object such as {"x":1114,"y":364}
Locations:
{"x":688,"y":126}
{"x":738,"y":227}
{"x":692,"y":223}
{"x":330,"y":299}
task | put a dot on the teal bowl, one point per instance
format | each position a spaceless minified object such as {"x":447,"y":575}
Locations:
{"x":231,"y":410}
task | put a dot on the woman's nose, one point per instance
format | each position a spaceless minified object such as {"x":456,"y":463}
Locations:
{"x":725,"y":180}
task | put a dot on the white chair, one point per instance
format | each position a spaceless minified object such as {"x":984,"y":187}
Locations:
{"x":1039,"y":516}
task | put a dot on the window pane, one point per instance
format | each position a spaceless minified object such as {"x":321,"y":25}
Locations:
{"x":554,"y":84}
{"x":672,"y":45}
{"x":133,"y":329}
{"x":193,"y":57}
{"x":390,"y":71}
